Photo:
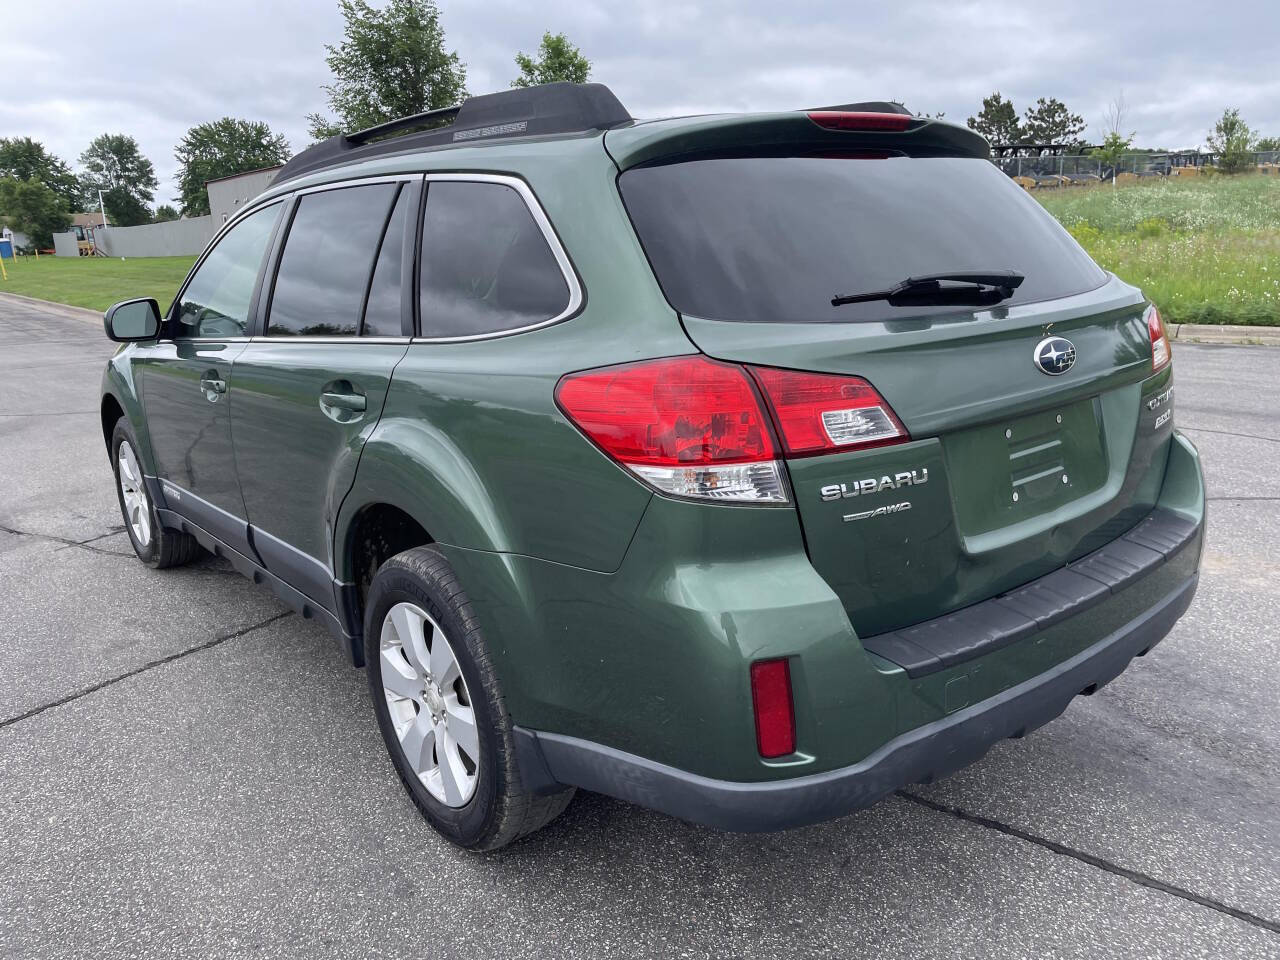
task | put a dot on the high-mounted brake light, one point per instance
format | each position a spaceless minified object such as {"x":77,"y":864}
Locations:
{"x":822,"y":413}
{"x":688,"y":426}
{"x":1160,"y":352}
{"x":847,"y":120}
{"x":774,"y":711}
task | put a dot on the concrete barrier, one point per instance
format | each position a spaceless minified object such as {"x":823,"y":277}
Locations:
{"x":174,"y":238}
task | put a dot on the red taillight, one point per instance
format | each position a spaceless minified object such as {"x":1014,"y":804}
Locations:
{"x":821,"y":413}
{"x":775,"y":715}
{"x":847,"y":120}
{"x":690,"y":426}
{"x":1160,"y":351}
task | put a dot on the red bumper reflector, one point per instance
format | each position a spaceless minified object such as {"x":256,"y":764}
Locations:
{"x":775,"y":714}
{"x":847,"y":120}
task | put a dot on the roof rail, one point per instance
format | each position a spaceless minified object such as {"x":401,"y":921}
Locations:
{"x":533,"y":111}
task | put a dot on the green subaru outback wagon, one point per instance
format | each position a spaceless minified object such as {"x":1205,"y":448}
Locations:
{"x":744,"y":467}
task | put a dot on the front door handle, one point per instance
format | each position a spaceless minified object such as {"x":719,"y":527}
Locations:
{"x":212,"y":386}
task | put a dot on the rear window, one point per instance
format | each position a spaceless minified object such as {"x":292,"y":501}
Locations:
{"x":775,"y":238}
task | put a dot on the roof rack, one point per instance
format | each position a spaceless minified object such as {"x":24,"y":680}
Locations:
{"x":532,"y":111}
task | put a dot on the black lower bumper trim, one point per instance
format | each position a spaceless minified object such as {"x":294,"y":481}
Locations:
{"x":985,"y":627}
{"x":548,"y":760}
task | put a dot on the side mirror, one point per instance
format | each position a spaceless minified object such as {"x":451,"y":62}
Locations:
{"x":131,"y":320}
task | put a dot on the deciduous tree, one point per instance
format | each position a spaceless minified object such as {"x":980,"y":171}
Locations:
{"x":557,"y":59}
{"x":391,"y":63}
{"x":164,"y":213}
{"x":114,"y":164}
{"x":25,"y":159}
{"x":223,"y":148}
{"x":30,"y":207}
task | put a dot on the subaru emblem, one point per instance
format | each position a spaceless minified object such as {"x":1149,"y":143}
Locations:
{"x":1055,"y":355}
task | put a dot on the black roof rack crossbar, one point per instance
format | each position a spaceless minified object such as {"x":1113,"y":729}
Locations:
{"x":551,"y":108}
{"x":361,"y":137}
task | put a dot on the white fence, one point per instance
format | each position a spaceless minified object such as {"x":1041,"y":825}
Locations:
{"x":65,"y":245}
{"x":174,"y":238}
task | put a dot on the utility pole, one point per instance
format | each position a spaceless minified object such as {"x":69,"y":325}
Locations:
{"x":103,"y":207}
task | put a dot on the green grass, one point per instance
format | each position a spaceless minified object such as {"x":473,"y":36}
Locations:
{"x":96,"y":282}
{"x":1204,"y":250}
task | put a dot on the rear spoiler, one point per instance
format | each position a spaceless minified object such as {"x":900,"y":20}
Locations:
{"x":854,"y":126}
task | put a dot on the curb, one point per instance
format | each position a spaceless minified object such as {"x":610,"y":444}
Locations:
{"x":1224,"y":334}
{"x":62,"y":309}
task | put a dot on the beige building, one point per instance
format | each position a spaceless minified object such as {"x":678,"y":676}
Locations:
{"x":228,"y":194}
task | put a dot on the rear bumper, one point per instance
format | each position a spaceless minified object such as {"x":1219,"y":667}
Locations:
{"x":926,"y":753}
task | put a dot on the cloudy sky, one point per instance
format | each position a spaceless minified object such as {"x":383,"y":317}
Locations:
{"x":72,"y":69}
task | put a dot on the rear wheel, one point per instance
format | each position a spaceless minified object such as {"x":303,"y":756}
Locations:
{"x":440,"y":706}
{"x":155,"y":545}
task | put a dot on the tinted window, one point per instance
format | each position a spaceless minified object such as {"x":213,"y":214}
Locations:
{"x":382,"y":312}
{"x":327,"y":256}
{"x":216,"y":301}
{"x":775,"y":238}
{"x":486,"y":266}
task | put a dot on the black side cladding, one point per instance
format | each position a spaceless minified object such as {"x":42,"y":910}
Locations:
{"x":533,"y":111}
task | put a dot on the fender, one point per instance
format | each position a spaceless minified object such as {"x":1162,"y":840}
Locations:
{"x":119,"y":383}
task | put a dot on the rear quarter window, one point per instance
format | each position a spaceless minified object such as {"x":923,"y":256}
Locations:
{"x":775,"y":238}
{"x":486,"y":265}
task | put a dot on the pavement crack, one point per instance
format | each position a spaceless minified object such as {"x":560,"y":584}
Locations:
{"x":150,"y":665}
{"x":1230,"y":433}
{"x":1134,"y":876}
{"x":65,"y":541}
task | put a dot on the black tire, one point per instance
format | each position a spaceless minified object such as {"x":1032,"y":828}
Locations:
{"x":501,"y":810}
{"x":165,"y":547}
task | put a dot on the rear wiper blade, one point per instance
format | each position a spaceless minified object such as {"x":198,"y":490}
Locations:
{"x":963,"y":289}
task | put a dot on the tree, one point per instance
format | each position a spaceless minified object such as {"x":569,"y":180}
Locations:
{"x":1113,"y":121}
{"x":25,"y":159}
{"x":558,"y":59}
{"x":1113,"y":148}
{"x":116,"y":166}
{"x":997,"y":121}
{"x":164,"y":213}
{"x":30,"y":207}
{"x":220,"y":149}
{"x":391,"y":64}
{"x":1232,"y":140}
{"x":1267,"y":144}
{"x":1049,"y":121}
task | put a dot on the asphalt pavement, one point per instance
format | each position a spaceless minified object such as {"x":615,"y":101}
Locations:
{"x":187,"y":770}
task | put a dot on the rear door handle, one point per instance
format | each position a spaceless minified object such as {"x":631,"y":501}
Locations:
{"x":342,"y":402}
{"x":213,"y":387}
{"x":351,"y":402}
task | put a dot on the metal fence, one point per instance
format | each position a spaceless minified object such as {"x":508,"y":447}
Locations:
{"x":1084,"y":168}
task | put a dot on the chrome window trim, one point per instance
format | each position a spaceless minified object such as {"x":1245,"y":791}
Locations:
{"x":351,"y":338}
{"x":548,"y":234}
{"x":263,"y":202}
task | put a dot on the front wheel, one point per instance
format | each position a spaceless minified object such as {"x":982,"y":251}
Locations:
{"x":440,"y":706}
{"x":155,"y":545}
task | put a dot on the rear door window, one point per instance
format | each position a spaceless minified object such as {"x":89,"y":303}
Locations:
{"x":216,"y":301}
{"x":486,"y":265}
{"x":328,"y":255}
{"x":776,"y":238}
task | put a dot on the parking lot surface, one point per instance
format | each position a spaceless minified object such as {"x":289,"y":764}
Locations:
{"x":187,"y":770}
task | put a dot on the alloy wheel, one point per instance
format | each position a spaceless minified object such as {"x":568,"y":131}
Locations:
{"x":430,"y":706}
{"x":137,"y":507}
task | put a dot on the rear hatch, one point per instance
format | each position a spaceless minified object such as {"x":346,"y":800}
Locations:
{"x":1009,"y":471}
